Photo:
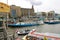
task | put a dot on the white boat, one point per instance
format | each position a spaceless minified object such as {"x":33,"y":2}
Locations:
{"x":23,"y":32}
{"x":52,"y":22}
{"x":41,"y":22}
{"x":33,"y":35}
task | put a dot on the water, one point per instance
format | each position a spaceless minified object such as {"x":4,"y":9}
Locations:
{"x":42,"y":28}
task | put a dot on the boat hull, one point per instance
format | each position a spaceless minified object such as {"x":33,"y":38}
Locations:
{"x":23,"y":34}
{"x":51,"y":22}
{"x":25,"y":25}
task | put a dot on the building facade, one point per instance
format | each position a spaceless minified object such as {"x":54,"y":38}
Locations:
{"x":51,"y":14}
{"x":27,"y":11}
{"x":47,"y":15}
{"x":17,"y":11}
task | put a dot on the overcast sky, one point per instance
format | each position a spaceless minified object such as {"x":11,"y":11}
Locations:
{"x":39,"y":5}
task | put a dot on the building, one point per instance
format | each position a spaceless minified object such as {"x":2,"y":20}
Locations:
{"x":47,"y":15}
{"x":44,"y":14}
{"x":51,"y":14}
{"x":27,"y":11}
{"x":17,"y":11}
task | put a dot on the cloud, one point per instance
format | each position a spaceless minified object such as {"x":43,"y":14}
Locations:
{"x":27,"y":0}
{"x":35,"y":2}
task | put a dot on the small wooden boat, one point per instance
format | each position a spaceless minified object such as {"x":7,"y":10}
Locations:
{"x":23,"y":24}
{"x":24,"y":32}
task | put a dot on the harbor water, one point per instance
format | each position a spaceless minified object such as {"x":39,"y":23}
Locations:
{"x":41,"y":28}
{"x":54,"y":28}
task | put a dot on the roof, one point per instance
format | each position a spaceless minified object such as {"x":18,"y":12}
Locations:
{"x":27,"y":8}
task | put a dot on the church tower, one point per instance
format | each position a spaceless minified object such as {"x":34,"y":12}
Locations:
{"x":33,"y":8}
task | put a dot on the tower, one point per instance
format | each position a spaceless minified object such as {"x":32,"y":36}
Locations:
{"x":32,"y":7}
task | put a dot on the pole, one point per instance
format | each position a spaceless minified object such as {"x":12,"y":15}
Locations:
{"x":7,"y":18}
{"x":7,"y":21}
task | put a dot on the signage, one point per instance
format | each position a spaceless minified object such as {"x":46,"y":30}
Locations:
{"x":4,"y":7}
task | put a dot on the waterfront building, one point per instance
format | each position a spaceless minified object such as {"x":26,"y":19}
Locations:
{"x":51,"y":14}
{"x":17,"y":11}
{"x":44,"y":14}
{"x":47,"y":15}
{"x":27,"y":11}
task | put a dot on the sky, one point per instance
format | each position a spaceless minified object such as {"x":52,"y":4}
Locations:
{"x":39,"y":5}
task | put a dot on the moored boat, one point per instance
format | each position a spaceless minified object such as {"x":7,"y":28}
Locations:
{"x":33,"y":35}
{"x":23,"y":24}
{"x":52,"y":22}
{"x":23,"y":32}
{"x":41,"y":22}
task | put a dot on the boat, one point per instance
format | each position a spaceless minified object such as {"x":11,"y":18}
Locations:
{"x":24,"y":32}
{"x":33,"y":35}
{"x":52,"y":22}
{"x":41,"y":22}
{"x":23,"y":24}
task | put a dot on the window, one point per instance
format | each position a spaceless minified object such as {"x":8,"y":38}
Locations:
{"x":13,"y":13}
